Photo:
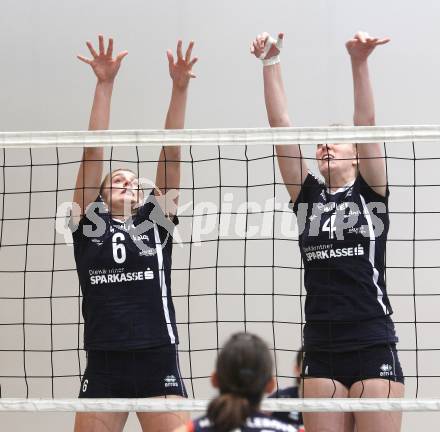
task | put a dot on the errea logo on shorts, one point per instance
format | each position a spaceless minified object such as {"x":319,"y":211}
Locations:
{"x":386,"y":370}
{"x":171,"y":381}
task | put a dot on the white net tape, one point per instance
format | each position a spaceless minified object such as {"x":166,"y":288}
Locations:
{"x":160,"y":405}
{"x":255,"y":136}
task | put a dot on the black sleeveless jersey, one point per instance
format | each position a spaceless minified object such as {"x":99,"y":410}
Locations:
{"x":124,"y":269}
{"x":342,"y":238}
{"x":291,"y":417}
{"x":255,"y":423}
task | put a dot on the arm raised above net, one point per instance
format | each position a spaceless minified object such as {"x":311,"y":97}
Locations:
{"x":168,"y":167}
{"x":371,"y":160}
{"x":292,"y":166}
{"x":89,"y":176}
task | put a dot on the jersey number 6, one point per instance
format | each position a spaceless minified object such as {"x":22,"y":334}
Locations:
{"x":119,"y":254}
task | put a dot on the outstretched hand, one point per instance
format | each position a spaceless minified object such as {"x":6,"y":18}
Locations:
{"x":362,"y":45}
{"x":181,"y":69}
{"x":260,"y":45}
{"x":103,"y":64}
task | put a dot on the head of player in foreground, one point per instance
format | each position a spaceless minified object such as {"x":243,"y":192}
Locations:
{"x":243,"y":374}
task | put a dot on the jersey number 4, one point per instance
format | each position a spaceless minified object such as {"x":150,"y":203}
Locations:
{"x":330,"y":226}
{"x":119,"y":253}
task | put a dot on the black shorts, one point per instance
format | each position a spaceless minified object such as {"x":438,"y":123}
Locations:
{"x":378,"y":361}
{"x":133,"y":374}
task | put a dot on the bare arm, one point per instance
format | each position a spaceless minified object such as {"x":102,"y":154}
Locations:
{"x":293,"y":168}
{"x":90,"y":172}
{"x":371,"y":161}
{"x":168,"y":167}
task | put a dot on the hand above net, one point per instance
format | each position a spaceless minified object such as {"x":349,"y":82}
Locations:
{"x":103,"y":64}
{"x":362,"y":45}
{"x":181,"y":69}
{"x":267,"y":49}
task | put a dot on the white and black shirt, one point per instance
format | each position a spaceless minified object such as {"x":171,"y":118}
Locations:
{"x":343,"y":242}
{"x":257,"y":422}
{"x":124,"y":269}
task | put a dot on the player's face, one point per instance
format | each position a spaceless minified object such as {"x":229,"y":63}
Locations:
{"x":336,"y":157}
{"x":124,"y":187}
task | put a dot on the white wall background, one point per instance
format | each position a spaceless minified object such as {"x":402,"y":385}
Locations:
{"x":44,"y":87}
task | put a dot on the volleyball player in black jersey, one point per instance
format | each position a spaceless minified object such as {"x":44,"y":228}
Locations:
{"x":123,"y":250}
{"x":349,"y":337}
{"x":243,"y":374}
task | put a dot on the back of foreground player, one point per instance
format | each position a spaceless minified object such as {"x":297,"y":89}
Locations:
{"x":243,"y":374}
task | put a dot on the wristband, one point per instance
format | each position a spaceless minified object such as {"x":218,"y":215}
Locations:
{"x":271,"y":61}
{"x":275,"y":59}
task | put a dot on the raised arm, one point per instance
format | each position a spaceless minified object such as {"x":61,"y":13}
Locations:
{"x":371,"y":161}
{"x":168,"y":167}
{"x":292,"y":166}
{"x":89,"y":176}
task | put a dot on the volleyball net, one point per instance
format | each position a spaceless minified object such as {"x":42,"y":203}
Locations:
{"x":236,"y":261}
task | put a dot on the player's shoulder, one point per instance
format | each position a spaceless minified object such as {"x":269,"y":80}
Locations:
{"x":261,"y":422}
{"x":93,"y":223}
{"x":313,"y":181}
{"x":287,"y":392}
{"x":311,"y":188}
{"x":201,"y":424}
{"x":364,"y":189}
{"x":255,"y":422}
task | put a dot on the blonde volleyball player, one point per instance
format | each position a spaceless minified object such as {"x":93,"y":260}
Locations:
{"x":123,"y":254}
{"x":349,"y":337}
